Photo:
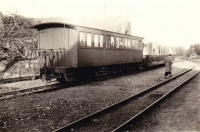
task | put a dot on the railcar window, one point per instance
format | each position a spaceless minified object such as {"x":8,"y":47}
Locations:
{"x":136,"y":44}
{"x":160,"y":50}
{"x":82,"y":39}
{"x":117,"y":42}
{"x":96,"y":40}
{"x":163,"y":50}
{"x":107,"y":41}
{"x":101,"y":40}
{"x":133,"y":44}
{"x":112,"y":42}
{"x":129,"y":44}
{"x":140,"y":45}
{"x":121,"y":43}
{"x":125,"y":44}
{"x":89,"y":40}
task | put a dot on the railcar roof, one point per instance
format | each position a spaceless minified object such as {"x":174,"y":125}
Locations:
{"x":41,"y":26}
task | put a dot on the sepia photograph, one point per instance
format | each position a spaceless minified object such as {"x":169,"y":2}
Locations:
{"x":99,"y":65}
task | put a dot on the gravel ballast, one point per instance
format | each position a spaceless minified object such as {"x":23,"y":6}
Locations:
{"x":51,"y":110}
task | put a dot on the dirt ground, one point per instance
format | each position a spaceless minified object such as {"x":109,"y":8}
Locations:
{"x":50,"y":110}
{"x":181,"y":112}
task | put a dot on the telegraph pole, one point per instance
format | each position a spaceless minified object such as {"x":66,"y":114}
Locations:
{"x":105,"y":10}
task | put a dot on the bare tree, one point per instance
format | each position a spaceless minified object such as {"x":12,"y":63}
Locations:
{"x":17,"y":41}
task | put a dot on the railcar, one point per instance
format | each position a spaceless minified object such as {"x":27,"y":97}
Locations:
{"x":154,"y":54}
{"x":67,"y":51}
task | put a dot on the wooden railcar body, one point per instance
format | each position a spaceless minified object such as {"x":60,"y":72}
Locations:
{"x":63,"y":46}
{"x":154,"y":54}
{"x":99,"y":56}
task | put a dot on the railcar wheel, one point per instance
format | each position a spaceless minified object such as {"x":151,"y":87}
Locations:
{"x":141,"y":66}
{"x":67,"y":77}
{"x":62,"y":79}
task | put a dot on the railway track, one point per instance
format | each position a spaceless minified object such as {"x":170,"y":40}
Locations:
{"x":25,"y":78}
{"x":120,"y":116}
{"x":17,"y":79}
{"x":57,"y":86}
{"x":21,"y":92}
{"x":47,"y":88}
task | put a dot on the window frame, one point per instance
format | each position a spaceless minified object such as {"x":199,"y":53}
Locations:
{"x":112,"y":46}
{"x":137,"y":44}
{"x":121,"y":42}
{"x":90,"y":40}
{"x":141,"y":46}
{"x":125,"y":43}
{"x":98,"y":41}
{"x":103,"y":45}
{"x":117,"y":44}
{"x":133,"y":44}
{"x":104,"y":41}
{"x":128,"y":44}
{"x":84,"y":39}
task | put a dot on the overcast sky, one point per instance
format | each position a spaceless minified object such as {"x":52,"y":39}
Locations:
{"x":168,"y":22}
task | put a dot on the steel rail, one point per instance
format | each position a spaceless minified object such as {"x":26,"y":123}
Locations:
{"x":91,"y":116}
{"x":11,"y":94}
{"x":17,"y":79}
{"x":126,"y":125}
